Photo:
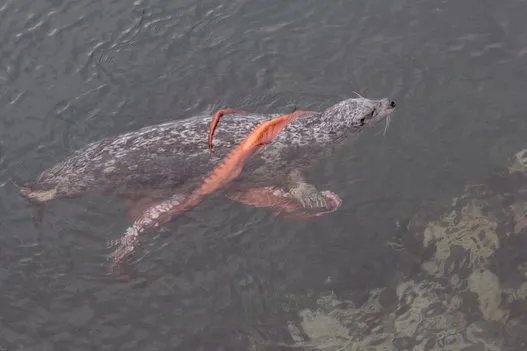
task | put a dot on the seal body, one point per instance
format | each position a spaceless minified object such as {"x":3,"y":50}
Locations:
{"x":173,"y":157}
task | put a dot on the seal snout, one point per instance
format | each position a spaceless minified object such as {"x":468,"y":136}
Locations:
{"x":388,"y":104}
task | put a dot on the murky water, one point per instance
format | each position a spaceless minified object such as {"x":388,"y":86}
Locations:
{"x":382,"y":273}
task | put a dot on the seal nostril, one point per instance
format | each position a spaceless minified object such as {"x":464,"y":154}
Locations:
{"x":392,"y":104}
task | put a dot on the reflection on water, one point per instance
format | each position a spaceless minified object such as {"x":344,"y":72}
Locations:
{"x":457,"y":301}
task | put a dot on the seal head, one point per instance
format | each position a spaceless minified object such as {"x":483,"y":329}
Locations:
{"x":355,"y":115}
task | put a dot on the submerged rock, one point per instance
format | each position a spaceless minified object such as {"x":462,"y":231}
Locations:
{"x":470,"y":293}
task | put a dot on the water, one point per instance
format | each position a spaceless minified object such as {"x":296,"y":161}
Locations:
{"x":228,"y":277}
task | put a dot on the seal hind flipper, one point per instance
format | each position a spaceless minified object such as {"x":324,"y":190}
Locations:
{"x":39,"y":195}
{"x":37,"y":215}
{"x":30,"y":192}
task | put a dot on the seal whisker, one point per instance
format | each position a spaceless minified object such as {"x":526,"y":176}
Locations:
{"x":387,"y":124}
{"x":358,"y":95}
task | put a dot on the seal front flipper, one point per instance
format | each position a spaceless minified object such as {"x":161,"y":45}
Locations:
{"x":281,"y":201}
{"x":333,"y":198}
{"x":307,"y":194}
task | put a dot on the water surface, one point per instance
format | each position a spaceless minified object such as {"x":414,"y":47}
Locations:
{"x":228,"y":277}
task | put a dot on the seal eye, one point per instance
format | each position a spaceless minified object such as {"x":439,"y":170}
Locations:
{"x":363,"y":119}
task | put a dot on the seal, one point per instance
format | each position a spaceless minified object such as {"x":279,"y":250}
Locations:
{"x":157,"y":169}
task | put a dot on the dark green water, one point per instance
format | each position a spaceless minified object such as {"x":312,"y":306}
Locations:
{"x":227,"y":277}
